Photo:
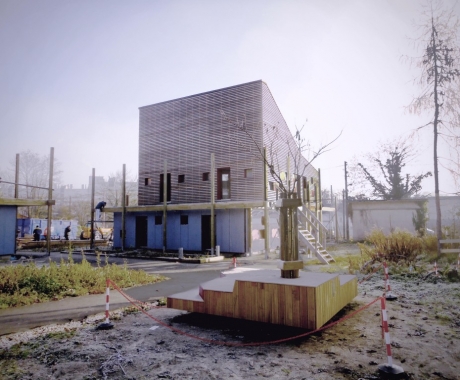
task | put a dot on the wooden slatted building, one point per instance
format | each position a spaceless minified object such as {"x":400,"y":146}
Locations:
{"x":232,"y":123}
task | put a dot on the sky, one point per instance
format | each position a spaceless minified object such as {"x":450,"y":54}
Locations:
{"x":74,"y":73}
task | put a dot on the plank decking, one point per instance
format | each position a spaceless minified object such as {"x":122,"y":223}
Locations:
{"x":309,"y":301}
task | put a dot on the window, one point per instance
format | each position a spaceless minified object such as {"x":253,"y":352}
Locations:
{"x":148,"y":181}
{"x":181,"y":178}
{"x":247,"y":173}
{"x":271,"y":185}
{"x":206,"y":176}
{"x":184,"y":219}
{"x":223,"y":183}
{"x":158,"y":220}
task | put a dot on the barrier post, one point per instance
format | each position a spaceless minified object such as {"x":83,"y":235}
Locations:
{"x":389,"y":367}
{"x":435,"y":268}
{"x":234,"y":261}
{"x":388,"y":295}
{"x":106,"y":325}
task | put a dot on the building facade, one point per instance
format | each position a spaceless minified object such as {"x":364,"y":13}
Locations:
{"x":176,"y":141}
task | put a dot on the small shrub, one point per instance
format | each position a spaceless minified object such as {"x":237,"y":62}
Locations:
{"x":398,"y":247}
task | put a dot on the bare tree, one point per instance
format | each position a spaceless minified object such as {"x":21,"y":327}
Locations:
{"x":297,"y":148}
{"x":34,"y":173}
{"x":439,"y":81}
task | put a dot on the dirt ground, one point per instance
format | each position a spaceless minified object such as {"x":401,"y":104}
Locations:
{"x":424,"y":326}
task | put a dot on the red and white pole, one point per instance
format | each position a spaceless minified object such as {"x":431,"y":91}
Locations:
{"x":106,"y":325}
{"x":388,"y":295}
{"x":435,"y":268}
{"x":107,"y":302}
{"x":234,"y":262}
{"x":389,"y":367}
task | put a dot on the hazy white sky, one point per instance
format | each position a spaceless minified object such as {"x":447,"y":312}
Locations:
{"x":73,"y":73}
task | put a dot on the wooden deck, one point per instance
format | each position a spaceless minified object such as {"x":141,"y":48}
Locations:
{"x":309,"y":301}
{"x":30,"y":244}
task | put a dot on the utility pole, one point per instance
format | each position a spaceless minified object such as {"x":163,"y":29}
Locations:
{"x":93,"y":189}
{"x":346,"y":202}
{"x":50,"y":197}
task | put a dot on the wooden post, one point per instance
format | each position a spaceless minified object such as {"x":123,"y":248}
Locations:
{"x":50,"y":197}
{"x":93,"y":185}
{"x":266,"y":213}
{"x":336,"y":223}
{"x":249,"y":229}
{"x":16,"y":178}
{"x":123,"y":210}
{"x":165,"y":204}
{"x":213,"y":179}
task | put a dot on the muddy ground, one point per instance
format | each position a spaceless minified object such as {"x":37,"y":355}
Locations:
{"x":424,"y":330}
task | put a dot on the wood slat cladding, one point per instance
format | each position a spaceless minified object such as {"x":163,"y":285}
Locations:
{"x":186,"y":131}
{"x":279,"y":142}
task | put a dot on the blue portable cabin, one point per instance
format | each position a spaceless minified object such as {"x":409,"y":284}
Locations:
{"x":8,"y":222}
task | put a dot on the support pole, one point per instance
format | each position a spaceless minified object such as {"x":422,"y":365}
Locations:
{"x":165,"y":204}
{"x":50,"y":197}
{"x":16,"y":178}
{"x":93,"y":190}
{"x":346,"y":202}
{"x":213,"y":179}
{"x":266,"y":213}
{"x":336,"y":222}
{"x":123,"y":209}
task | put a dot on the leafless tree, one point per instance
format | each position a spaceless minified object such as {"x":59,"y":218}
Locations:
{"x":439,"y":81}
{"x":296,"y":147}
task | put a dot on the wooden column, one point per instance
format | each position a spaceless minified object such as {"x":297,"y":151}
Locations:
{"x":50,"y":197}
{"x":123,"y":208}
{"x":165,"y":204}
{"x":16,"y":178}
{"x":213,"y":179}
{"x":266,"y":213}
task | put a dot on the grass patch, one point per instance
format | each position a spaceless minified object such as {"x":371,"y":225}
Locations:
{"x":27,"y":284}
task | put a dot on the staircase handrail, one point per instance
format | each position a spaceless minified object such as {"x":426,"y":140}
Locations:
{"x":313,"y":221}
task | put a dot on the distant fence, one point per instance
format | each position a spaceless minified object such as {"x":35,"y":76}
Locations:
{"x":454,"y":242}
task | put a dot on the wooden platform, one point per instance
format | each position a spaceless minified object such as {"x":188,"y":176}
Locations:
{"x":309,"y":301}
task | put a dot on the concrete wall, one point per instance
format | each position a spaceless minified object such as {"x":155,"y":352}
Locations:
{"x":7,"y":230}
{"x":384,"y":215}
{"x":450,"y":212}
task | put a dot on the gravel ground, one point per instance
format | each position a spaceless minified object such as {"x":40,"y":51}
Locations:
{"x":424,"y":325}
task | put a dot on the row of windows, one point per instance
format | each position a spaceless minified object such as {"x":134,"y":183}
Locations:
{"x":205,"y":177}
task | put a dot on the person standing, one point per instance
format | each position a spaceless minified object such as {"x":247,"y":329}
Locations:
{"x":66,"y":232}
{"x":37,"y":232}
{"x":99,"y":208}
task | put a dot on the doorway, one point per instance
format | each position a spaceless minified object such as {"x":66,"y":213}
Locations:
{"x":141,"y":231}
{"x":205,"y":232}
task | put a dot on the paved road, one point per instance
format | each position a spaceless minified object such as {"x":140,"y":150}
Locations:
{"x":181,"y":277}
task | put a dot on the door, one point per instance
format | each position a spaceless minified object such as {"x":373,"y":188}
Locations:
{"x":141,"y":231}
{"x":205,"y":232}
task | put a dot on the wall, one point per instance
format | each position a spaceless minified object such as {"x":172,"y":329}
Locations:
{"x":384,"y":215}
{"x":230,"y":230}
{"x":8,"y":230}
{"x":450,"y":212}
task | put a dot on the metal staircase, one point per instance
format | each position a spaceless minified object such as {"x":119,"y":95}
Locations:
{"x":312,"y":235}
